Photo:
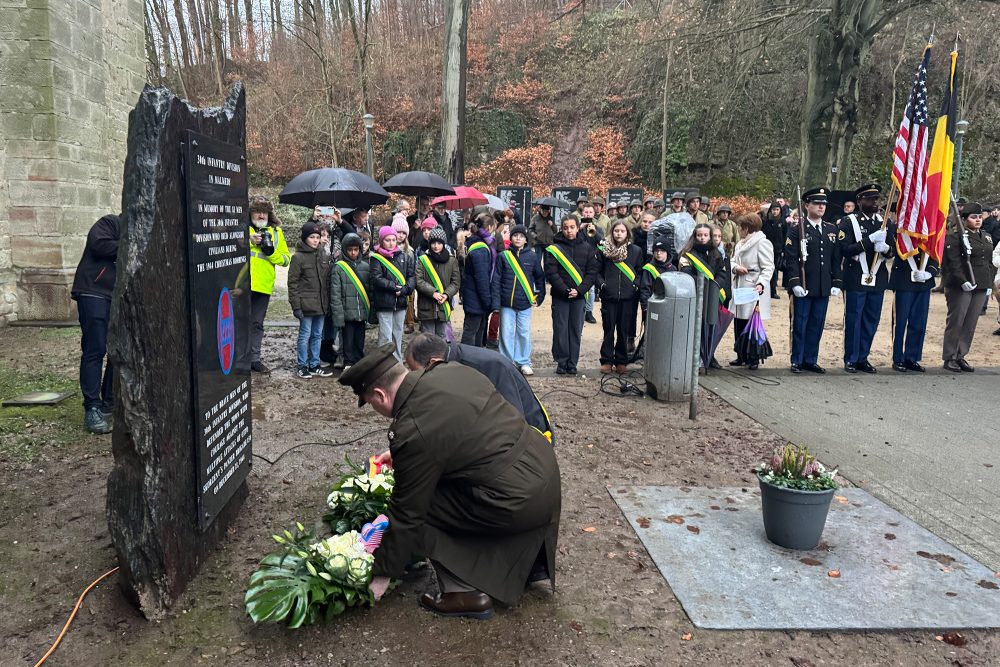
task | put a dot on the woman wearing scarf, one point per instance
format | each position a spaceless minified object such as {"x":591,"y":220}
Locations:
{"x":477,"y":293}
{"x":619,"y":262}
{"x":752,"y":266}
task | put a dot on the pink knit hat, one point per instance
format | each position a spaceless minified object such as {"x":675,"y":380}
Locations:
{"x":385,"y":231}
{"x":429,"y":223}
{"x":400,"y":225}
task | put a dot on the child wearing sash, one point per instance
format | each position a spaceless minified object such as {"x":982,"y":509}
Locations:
{"x":350,"y":299}
{"x":518,"y":284}
{"x":620,"y":262}
{"x":699,"y":258}
{"x":480,"y":251}
{"x":438,"y":281}
{"x":393,"y":279}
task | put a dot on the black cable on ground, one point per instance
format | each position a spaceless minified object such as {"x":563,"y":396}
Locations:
{"x":629,"y":385}
{"x":319,"y":444}
{"x":767,"y":382}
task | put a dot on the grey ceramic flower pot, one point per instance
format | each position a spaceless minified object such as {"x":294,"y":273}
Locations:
{"x":794,"y":519}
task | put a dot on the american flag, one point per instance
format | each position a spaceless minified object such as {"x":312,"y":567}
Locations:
{"x":909,"y":164}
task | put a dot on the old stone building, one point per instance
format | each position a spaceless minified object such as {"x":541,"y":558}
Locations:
{"x":70,"y":72}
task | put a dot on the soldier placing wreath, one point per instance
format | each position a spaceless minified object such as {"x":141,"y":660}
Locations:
{"x":477,"y":489}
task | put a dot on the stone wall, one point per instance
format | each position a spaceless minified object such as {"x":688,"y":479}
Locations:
{"x":70,"y":71}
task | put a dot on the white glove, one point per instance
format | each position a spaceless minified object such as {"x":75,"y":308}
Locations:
{"x":967,"y":286}
{"x":799,"y":291}
{"x":989,"y":291}
{"x":877,"y":236}
{"x":881,"y":247}
{"x":919,"y":276}
{"x":834,"y":291}
{"x":924,"y":276}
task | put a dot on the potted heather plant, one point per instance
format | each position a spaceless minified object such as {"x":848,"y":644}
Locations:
{"x":796,"y":491}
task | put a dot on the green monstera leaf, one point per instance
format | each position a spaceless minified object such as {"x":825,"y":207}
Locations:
{"x":283,"y":589}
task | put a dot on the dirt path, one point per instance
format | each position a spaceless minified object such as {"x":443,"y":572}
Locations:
{"x":611,"y":607}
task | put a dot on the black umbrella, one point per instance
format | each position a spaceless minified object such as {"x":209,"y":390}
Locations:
{"x":552,"y":202}
{"x":419,"y":184}
{"x":332,"y":186}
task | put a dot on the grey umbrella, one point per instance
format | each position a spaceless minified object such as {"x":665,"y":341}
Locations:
{"x":332,"y":186}
{"x":552,"y":202}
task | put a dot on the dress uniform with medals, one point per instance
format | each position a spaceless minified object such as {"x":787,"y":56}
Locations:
{"x":477,"y":489}
{"x":823,"y":279}
{"x":866,"y":249}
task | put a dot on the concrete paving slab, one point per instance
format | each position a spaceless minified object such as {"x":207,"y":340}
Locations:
{"x":709,"y":545}
{"x":925,"y":443}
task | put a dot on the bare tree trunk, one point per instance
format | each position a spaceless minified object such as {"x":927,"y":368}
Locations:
{"x":182,"y":31}
{"x":453,"y":89}
{"x":664,"y":129}
{"x":233,"y":26}
{"x":251,"y":35}
{"x":217,"y":49}
{"x":195,"y":18}
{"x":154,"y":69}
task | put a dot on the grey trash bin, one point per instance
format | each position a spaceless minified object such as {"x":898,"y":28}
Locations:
{"x":670,"y":327}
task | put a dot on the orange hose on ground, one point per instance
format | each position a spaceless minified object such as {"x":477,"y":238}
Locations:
{"x":76,"y":608}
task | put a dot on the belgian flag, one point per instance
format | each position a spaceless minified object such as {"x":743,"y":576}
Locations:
{"x":939,"y":169}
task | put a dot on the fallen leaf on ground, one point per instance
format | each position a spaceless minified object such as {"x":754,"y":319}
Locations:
{"x":842,"y":500}
{"x":643,"y":522}
{"x":694,"y":529}
{"x":834,"y":574}
{"x":953,"y":638}
{"x":686,"y":636}
{"x":576,"y":626}
{"x":809,"y":561}
{"x":675,"y":518}
{"x":590,"y":529}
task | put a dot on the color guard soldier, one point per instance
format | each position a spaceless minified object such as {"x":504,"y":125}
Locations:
{"x":822,"y":280}
{"x":866,"y":248}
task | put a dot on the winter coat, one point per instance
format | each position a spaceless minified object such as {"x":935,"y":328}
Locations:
{"x":95,"y":274}
{"x":582,"y":254}
{"x":309,"y":280}
{"x":730,"y":234}
{"x":756,"y":254}
{"x":451,"y":278}
{"x":953,"y":265}
{"x":385,"y":285}
{"x":614,"y":284}
{"x":542,"y":230}
{"x":507,"y":291}
{"x":646,"y":279}
{"x":346,"y":304}
{"x":640,"y":239}
{"x":775,"y":230}
{"x":476,"y":278}
{"x":713,"y":290}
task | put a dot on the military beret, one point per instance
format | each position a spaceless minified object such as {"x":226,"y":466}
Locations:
{"x":815,"y":195}
{"x":372,"y":366}
{"x":582,"y":199}
{"x":868,"y":190}
{"x":972,"y":209}
{"x":677,"y":195}
{"x":597,"y":200}
{"x":635,"y":202}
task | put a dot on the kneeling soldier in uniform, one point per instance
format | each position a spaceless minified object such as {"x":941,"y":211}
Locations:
{"x":477,"y":489}
{"x":866,"y":248}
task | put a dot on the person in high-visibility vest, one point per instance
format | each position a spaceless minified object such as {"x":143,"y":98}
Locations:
{"x":267,"y":250}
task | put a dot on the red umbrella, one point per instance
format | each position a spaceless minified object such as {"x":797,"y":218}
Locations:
{"x":464,"y":197}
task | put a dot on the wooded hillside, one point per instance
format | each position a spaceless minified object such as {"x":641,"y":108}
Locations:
{"x":660,"y":93}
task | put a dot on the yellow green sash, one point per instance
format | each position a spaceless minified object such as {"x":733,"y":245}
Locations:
{"x":477,"y":245}
{"x":627,"y":270}
{"x":652,"y":270}
{"x":435,"y":279}
{"x":519,"y":274}
{"x":353,"y":277}
{"x":391,"y":268}
{"x":566,"y":263}
{"x":707,"y":272}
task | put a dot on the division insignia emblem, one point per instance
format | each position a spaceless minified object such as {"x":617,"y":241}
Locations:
{"x":788,"y":242}
{"x":842,"y":235}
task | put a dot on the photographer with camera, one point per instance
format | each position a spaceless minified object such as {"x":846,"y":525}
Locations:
{"x":267,"y":250}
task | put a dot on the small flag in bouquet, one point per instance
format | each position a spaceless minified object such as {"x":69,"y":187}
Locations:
{"x":371,"y":533}
{"x":752,"y":345}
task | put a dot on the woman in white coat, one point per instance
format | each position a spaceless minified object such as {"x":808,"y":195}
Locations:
{"x":753,"y":266}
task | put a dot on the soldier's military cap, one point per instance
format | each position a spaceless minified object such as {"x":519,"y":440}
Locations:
{"x":362,"y":375}
{"x":961,"y":200}
{"x":974,"y":208}
{"x":635,"y":202}
{"x":597,"y":200}
{"x":582,"y":199}
{"x":677,"y":195}
{"x":815,"y":195}
{"x":658,"y":202}
{"x":868,"y":190}
{"x":648,"y":200}
{"x":693,"y":195}
{"x":724,"y":209}
{"x":623,"y":202}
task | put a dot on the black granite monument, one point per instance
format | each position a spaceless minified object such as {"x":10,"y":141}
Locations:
{"x":182,"y":436}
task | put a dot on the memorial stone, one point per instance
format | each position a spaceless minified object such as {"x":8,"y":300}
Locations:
{"x":627,"y":194}
{"x":181,"y":440}
{"x":520,"y":194}
{"x":570,"y":193}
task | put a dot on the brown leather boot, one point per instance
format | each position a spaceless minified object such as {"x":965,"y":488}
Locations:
{"x":605,"y":368}
{"x":473,"y":605}
{"x":621,"y":369}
